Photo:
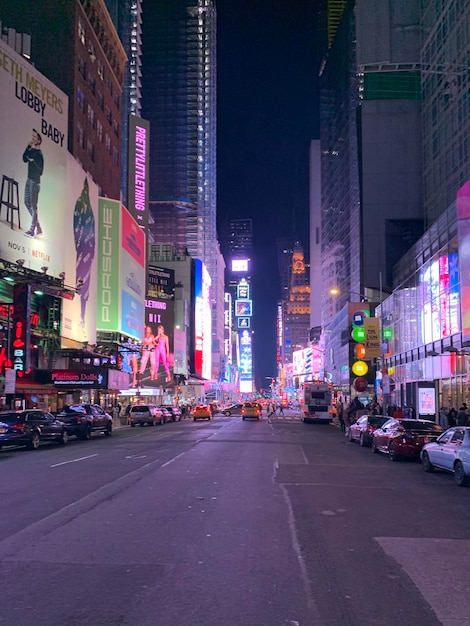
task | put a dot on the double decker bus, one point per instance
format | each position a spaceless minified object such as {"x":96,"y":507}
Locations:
{"x":317,"y":402}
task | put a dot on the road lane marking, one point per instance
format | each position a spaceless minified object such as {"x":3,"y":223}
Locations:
{"x":82,"y":458}
{"x":173,"y":459}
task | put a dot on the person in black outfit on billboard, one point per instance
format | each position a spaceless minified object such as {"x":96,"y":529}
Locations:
{"x":35,"y":160}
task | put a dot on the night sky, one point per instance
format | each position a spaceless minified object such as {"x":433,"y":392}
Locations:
{"x":268,"y":60}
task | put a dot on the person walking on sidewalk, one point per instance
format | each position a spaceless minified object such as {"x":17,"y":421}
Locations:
{"x":340,"y":415}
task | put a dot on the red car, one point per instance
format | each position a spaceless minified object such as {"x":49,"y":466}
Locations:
{"x":404,"y":437}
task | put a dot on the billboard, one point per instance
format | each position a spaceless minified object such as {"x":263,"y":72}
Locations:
{"x":138,"y":170}
{"x":80,"y":237}
{"x":202,"y":321}
{"x":240,"y":265}
{"x":121,"y":271}
{"x":157,"y":358}
{"x":246,"y":362}
{"x":33,"y":161}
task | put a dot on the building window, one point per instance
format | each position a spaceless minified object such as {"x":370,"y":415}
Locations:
{"x":100,"y":70}
{"x":99,"y":131}
{"x":107,"y":142}
{"x":91,"y":116}
{"x":116,"y":128}
{"x":81,"y":67}
{"x":107,"y":112}
{"x":92,"y":84}
{"x":80,"y":135}
{"x":115,"y":155}
{"x":81,"y":31}
{"x":100,"y":100}
{"x":90,"y":149}
{"x":80,"y":100}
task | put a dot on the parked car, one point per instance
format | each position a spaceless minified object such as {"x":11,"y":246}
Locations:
{"x":251,"y":409}
{"x":450,"y":452}
{"x":30,"y":427}
{"x":363,"y":429}
{"x":82,"y":420}
{"x":201,"y":411}
{"x":167,"y":415}
{"x":175,"y":412}
{"x":143,"y":414}
{"x":234,"y":409}
{"x":404,"y":437}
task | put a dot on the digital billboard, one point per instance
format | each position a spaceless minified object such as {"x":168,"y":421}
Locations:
{"x":33,"y":159}
{"x":80,"y":264}
{"x":202,"y":321}
{"x":243,"y":308}
{"x":121,"y":271}
{"x":243,"y":290}
{"x":240,"y":265}
{"x":246,"y":362}
{"x":138,"y":170}
{"x":153,"y":365}
{"x":463,"y":226}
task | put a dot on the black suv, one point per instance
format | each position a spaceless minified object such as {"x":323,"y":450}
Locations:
{"x":82,"y":420}
{"x":30,"y":427}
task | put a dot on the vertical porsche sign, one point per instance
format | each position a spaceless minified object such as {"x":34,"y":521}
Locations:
{"x":108,"y":305}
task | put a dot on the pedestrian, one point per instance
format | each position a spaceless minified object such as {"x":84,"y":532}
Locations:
{"x":281,"y":409}
{"x":443,"y":422}
{"x":452,"y":417}
{"x":34,"y":158}
{"x":462,"y":415}
{"x":340,"y":415}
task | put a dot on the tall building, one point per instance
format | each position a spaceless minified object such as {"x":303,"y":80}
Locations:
{"x":86,"y":60}
{"x":127,"y":18}
{"x":294,"y":314}
{"x":179,"y":100}
{"x":445,"y":71}
{"x":372,"y":204}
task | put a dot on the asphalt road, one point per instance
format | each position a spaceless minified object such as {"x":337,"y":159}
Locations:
{"x":229,"y":523}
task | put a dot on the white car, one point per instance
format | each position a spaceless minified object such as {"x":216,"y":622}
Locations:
{"x":450,"y":452}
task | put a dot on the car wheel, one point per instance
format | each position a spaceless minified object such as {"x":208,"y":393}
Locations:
{"x":64,"y":437}
{"x":362,"y":441}
{"x":132,"y":425}
{"x":392,"y":453}
{"x":373,"y":445}
{"x":109,"y":430}
{"x":33,"y":444}
{"x":195,"y":418}
{"x":86,"y":433}
{"x":427,"y":465}
{"x":350,"y":437}
{"x":226,"y":413}
{"x":460,"y":478}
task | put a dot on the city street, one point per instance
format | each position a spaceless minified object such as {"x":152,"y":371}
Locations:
{"x":229,"y":522}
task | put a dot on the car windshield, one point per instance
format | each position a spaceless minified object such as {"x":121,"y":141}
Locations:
{"x":377,"y":421}
{"x":139,"y":409}
{"x":421,"y":426}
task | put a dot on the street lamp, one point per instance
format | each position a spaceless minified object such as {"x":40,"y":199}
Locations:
{"x":336,"y":291}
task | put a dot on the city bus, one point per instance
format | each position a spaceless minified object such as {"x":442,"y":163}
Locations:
{"x":317,"y":402}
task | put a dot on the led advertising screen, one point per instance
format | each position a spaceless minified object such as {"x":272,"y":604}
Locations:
{"x":463,"y":229}
{"x":243,"y":308}
{"x":240,"y":265}
{"x":243,"y":290}
{"x":80,"y":265}
{"x":202,"y":321}
{"x":246,"y":362}
{"x":121,"y":271}
{"x":426,"y":401}
{"x":33,"y":160}
{"x":157,"y":358}
{"x":138,"y":170}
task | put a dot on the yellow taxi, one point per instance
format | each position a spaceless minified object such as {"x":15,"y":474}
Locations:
{"x":251,"y":409}
{"x":201,"y":411}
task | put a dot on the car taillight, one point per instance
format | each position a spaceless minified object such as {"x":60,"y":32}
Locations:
{"x":17,"y":426}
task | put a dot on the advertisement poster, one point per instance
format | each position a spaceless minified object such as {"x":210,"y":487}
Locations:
{"x":246,"y":362}
{"x":80,"y":264}
{"x":463,"y":229}
{"x":121,"y":271}
{"x":202,"y":321}
{"x":33,"y":162}
{"x":153,"y":364}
